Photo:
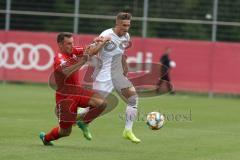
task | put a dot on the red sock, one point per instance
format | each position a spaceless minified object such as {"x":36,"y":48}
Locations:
{"x":53,"y":135}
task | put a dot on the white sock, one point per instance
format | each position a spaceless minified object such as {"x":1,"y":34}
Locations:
{"x":82,"y":111}
{"x":131,"y":113}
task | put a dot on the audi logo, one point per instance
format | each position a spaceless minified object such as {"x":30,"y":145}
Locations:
{"x":25,"y":52}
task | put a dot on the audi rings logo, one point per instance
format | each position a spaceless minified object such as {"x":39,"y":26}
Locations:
{"x":25,"y":52}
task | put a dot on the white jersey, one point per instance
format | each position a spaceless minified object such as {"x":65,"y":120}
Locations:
{"x":111,"y":56}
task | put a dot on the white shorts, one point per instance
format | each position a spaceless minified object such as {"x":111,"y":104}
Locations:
{"x":106,"y":87}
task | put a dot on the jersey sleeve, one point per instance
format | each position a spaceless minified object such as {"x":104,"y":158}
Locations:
{"x":78,"y":51}
{"x":128,"y":37}
{"x":59,"y":61}
{"x":104,"y":33}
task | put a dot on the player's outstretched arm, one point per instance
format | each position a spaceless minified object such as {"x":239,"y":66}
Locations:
{"x":73,"y":65}
{"x":98,"y":44}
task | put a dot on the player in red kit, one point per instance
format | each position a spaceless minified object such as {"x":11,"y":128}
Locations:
{"x":69,"y":93}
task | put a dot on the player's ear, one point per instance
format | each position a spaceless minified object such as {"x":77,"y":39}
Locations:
{"x":60,"y":45}
{"x":118,"y":22}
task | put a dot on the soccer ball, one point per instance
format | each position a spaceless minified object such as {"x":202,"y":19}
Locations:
{"x":155,"y":120}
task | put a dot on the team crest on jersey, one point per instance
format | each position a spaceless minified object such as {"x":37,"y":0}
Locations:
{"x":125,"y":45}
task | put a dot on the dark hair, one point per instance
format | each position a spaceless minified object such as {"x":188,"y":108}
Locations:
{"x":123,"y":16}
{"x":62,"y":35}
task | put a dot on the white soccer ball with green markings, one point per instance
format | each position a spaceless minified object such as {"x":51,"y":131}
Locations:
{"x":155,"y":120}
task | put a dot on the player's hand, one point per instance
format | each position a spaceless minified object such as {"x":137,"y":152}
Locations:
{"x":125,"y":73}
{"x":98,"y":39}
{"x":87,"y":49}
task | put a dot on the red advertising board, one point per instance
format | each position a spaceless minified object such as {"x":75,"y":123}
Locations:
{"x":200,"y":65}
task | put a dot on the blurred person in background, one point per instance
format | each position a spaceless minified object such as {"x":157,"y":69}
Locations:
{"x":166,"y":64}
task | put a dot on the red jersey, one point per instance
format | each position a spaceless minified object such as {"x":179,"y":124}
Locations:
{"x":63,"y":60}
{"x":69,"y":94}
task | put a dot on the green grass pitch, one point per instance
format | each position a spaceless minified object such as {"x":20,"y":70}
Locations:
{"x":210,"y":132}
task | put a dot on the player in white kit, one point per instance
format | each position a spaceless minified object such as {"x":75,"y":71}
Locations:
{"x":113,"y":70}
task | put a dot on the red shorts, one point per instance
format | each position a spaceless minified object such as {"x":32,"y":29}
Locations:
{"x":67,"y":105}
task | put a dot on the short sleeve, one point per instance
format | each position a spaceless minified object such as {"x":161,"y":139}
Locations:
{"x":78,"y":51}
{"x":105,"y":33}
{"x":59,"y":61}
{"x":128,"y":37}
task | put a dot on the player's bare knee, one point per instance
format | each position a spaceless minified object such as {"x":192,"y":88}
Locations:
{"x":103,"y":103}
{"x":132,"y":89}
{"x":128,"y":92}
{"x":98,"y":101}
